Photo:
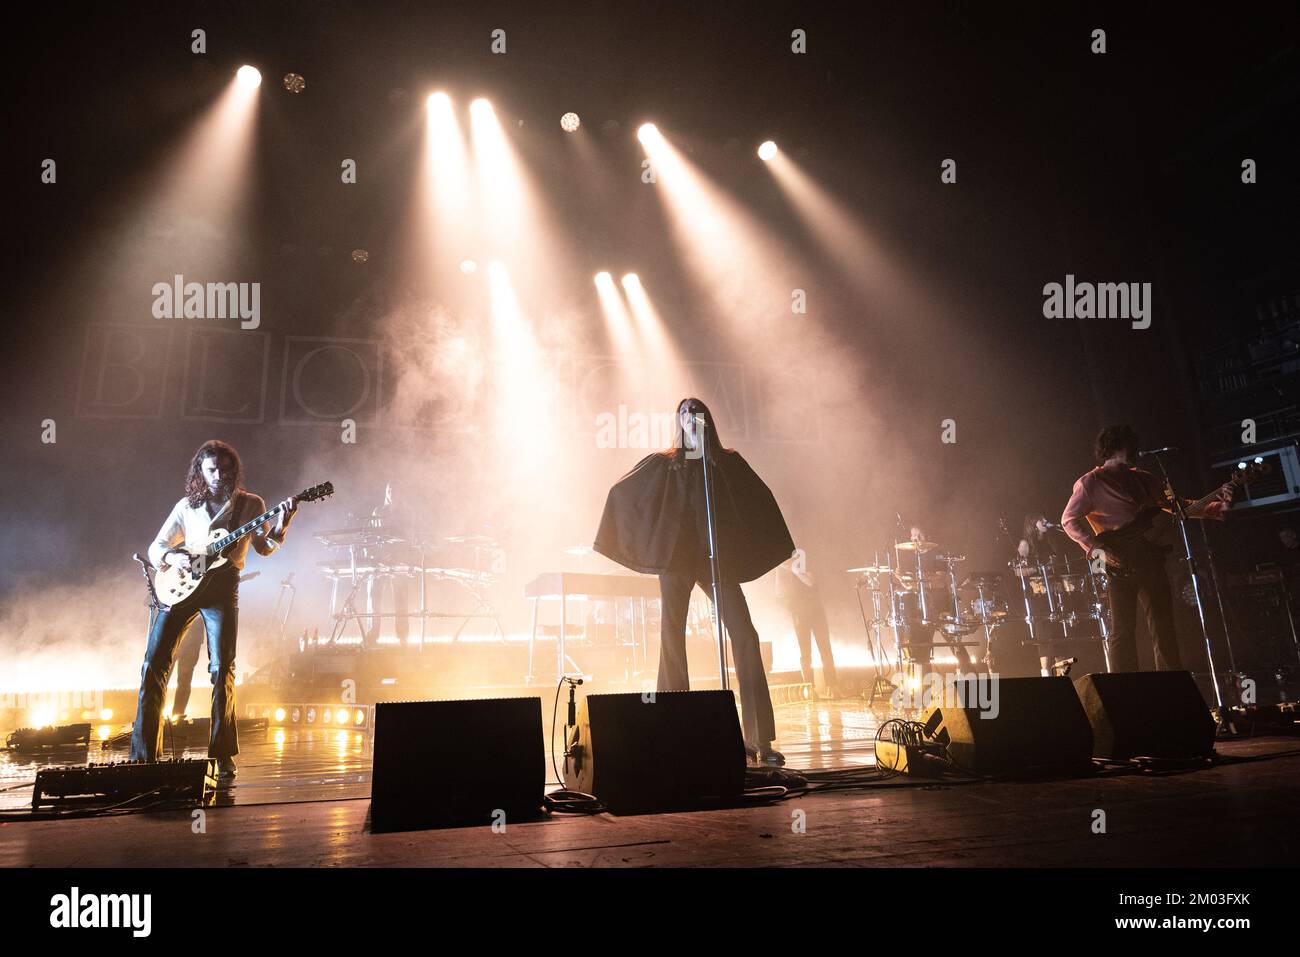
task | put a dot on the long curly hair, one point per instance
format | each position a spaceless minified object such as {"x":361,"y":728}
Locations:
{"x":712,"y":442}
{"x":232,"y":472}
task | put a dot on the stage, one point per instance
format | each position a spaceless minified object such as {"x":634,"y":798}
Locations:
{"x":302,"y":800}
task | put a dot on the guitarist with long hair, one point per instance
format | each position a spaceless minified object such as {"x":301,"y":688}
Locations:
{"x":1112,"y":497}
{"x":214,"y":498}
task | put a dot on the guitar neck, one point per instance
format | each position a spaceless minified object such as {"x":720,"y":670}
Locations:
{"x":1203,"y":501}
{"x":237,"y":534}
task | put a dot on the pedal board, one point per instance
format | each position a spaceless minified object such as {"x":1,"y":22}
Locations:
{"x":191,"y":781}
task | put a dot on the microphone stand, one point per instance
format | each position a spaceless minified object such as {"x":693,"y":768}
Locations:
{"x":1180,"y":517}
{"x":702,"y":444}
{"x":155,"y":606}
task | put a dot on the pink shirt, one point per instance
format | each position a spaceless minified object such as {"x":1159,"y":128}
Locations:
{"x":1108,"y":498}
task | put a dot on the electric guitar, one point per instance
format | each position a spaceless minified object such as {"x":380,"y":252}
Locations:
{"x":1149,"y":537}
{"x":174,"y":585}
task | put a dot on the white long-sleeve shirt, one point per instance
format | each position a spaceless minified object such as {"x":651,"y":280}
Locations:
{"x":193,"y":526}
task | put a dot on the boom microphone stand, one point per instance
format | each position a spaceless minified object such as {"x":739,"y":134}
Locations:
{"x":701,"y":443}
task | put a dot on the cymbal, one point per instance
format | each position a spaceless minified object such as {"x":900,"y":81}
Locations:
{"x":982,"y":579}
{"x":366,"y":537}
{"x":929,"y":578}
{"x":482,"y":541}
{"x":869,"y":570}
{"x":921,"y":547}
{"x":949,"y":559}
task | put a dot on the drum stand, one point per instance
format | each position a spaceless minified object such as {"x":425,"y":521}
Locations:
{"x":880,"y":685}
{"x":349,"y":612}
{"x":960,"y":628}
{"x":984,"y":623}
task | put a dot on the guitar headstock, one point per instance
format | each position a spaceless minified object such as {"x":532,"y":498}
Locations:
{"x":1248,"y":471}
{"x":316,"y":492}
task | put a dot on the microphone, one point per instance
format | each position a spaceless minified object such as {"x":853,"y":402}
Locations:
{"x":573,"y":705}
{"x":1048,"y":524}
{"x":1149,"y":452}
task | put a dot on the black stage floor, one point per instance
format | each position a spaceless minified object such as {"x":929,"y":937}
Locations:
{"x":302,"y":798}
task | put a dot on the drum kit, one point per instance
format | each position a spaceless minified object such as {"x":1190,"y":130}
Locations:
{"x":1059,"y":592}
{"x":918,"y":597}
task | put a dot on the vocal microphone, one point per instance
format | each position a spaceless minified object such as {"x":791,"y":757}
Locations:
{"x":1148,"y":452}
{"x":1048,"y":524}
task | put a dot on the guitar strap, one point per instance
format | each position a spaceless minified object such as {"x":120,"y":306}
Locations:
{"x":1137,"y":490}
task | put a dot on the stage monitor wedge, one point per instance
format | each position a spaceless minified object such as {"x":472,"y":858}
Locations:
{"x":666,"y":751}
{"x":1156,"y":714}
{"x":457,"y":763}
{"x":1015,"y":726}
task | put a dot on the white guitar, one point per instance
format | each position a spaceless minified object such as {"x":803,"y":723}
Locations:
{"x":173,"y":584}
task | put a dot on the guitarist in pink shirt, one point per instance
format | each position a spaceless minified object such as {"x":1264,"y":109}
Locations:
{"x":1116,"y":495}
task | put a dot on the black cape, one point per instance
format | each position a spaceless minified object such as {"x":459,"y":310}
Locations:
{"x":645,"y":513}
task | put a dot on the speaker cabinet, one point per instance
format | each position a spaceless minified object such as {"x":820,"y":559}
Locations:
{"x":457,"y":763}
{"x":1014,"y":725}
{"x":672,"y":750}
{"x":1158,"y":714}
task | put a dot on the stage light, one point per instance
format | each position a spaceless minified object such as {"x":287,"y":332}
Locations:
{"x":437,"y":101}
{"x":359,"y":717}
{"x":294,"y":82}
{"x":631,"y":280}
{"x":766,"y":151}
{"x":603,"y":277}
{"x":569,"y":122}
{"x":311,"y":715}
{"x":279,"y":715}
{"x":249,"y":77}
{"x":43,"y":718}
{"x":105,"y":732}
{"x":295,"y":715}
{"x":342,"y":716}
{"x":106,"y":714}
{"x":468,"y":266}
{"x":647,"y":132}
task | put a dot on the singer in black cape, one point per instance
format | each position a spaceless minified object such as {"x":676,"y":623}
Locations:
{"x":655,"y":523}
